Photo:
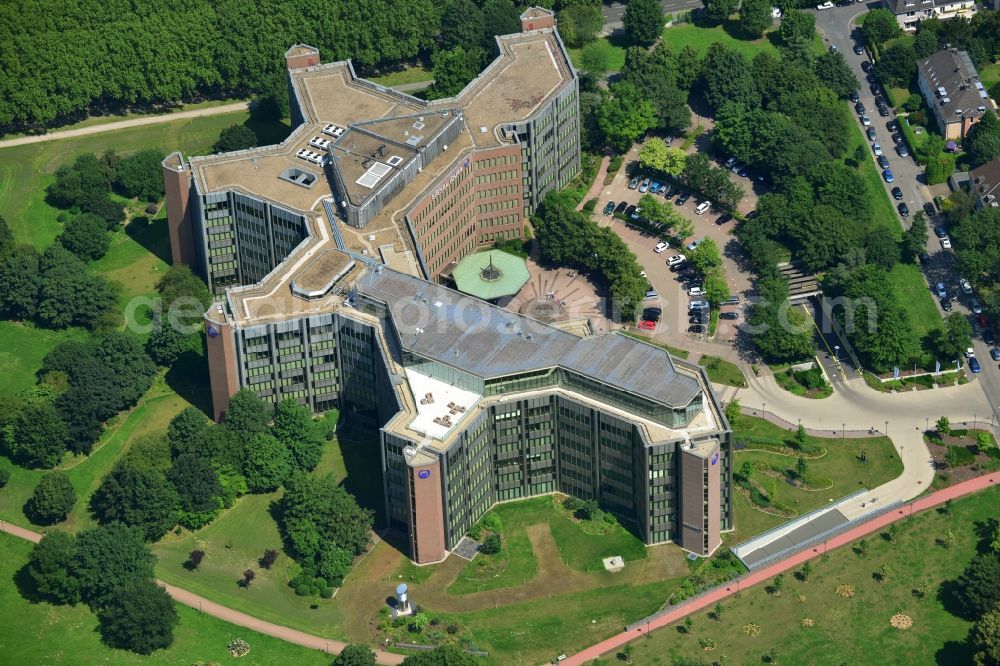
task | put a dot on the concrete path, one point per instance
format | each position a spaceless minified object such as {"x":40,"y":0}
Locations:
{"x":727,"y":590}
{"x":124,"y":124}
{"x":232,"y":616}
{"x":597,"y":185}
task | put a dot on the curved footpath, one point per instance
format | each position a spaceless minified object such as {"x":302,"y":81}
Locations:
{"x":233,"y":616}
{"x":124,"y":124}
{"x":791,"y":562}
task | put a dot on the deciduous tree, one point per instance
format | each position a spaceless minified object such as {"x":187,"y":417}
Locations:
{"x":137,"y":496}
{"x":52,"y":499}
{"x":108,"y":557}
{"x":247,"y":414}
{"x":235,"y":137}
{"x":755,"y":17}
{"x":266,"y":463}
{"x":295,"y":428}
{"x":51,"y":566}
{"x":38,"y":435}
{"x":355,"y":654}
{"x":141,"y":618}
{"x":879,"y":26}
{"x":643,"y":21}
{"x":86,"y":236}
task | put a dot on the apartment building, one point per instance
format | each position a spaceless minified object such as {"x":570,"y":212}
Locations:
{"x":951,"y":87}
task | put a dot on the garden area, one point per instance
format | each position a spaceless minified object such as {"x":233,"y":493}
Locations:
{"x":780,"y":474}
{"x":892,"y":595}
{"x":803,"y":383}
{"x":721,"y":371}
{"x":960,"y":453}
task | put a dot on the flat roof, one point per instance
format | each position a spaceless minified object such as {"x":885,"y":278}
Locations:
{"x":319,"y":275}
{"x":488,"y":342}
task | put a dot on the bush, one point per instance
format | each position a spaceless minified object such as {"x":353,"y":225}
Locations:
{"x":314,"y":590}
{"x":320,"y":583}
{"x":337,"y":582}
{"x":4,"y":476}
{"x":302,"y":590}
{"x":492,"y":545}
{"x":958,"y":456}
{"x":810,"y":379}
{"x":590,"y":205}
{"x":326,"y":593}
{"x":491,"y":521}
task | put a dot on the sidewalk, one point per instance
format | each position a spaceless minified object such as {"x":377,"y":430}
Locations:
{"x":208,"y":607}
{"x":598,"y":184}
{"x":791,"y":562}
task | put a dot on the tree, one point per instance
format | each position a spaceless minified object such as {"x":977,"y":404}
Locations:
{"x":248,"y":577}
{"x":879,"y":26}
{"x":68,"y":294}
{"x":266,"y":463}
{"x":51,"y":567}
{"x":925,"y":43}
{"x":985,"y":639}
{"x":983,"y":141}
{"x":492,"y":545}
{"x":85,"y":236}
{"x":943,"y":425}
{"x":500,"y":17}
{"x":167,"y":343}
{"x":836,"y":74}
{"x":953,"y":338}
{"x":19,"y":278}
{"x":625,"y":115}
{"x":195,"y":557}
{"x":643,"y":21}
{"x":6,"y":238}
{"x":779,"y":331}
{"x":268,"y":558}
{"x":898,"y":64}
{"x":755,"y":17}
{"x":137,"y":496}
{"x":38,"y":435}
{"x":141,"y":618}
{"x":797,"y":28}
{"x":805,"y":571}
{"x":196,"y":483}
{"x":578,"y":24}
{"x":976,"y":589}
{"x":596,"y":61}
{"x":801,"y":467}
{"x":706,"y":256}
{"x":915,"y":238}
{"x":452,"y":70}
{"x":52,"y":499}
{"x":355,"y":654}
{"x":462,"y":26}
{"x":882,"y":249}
{"x":295,"y":428}
{"x":720,"y":10}
{"x":108,"y":557}
{"x":333,"y":562}
{"x":317,"y":512}
{"x":247,"y":414}
{"x":141,"y":175}
{"x":446,"y":655}
{"x":235,"y":137}
{"x":716,"y":287}
{"x":181,"y":286}
{"x":186,"y":431}
{"x":728,"y":77}
{"x":655,"y":154}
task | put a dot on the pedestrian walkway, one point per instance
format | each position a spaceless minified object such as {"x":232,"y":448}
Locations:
{"x":710,"y":598}
{"x":597,"y":185}
{"x":232,"y":616}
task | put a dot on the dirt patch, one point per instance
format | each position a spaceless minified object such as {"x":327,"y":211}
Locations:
{"x":939,"y":446}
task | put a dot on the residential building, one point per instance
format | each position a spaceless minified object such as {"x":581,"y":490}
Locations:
{"x":327,"y":254}
{"x":984,"y":182}
{"x":951,"y":87}
{"x":909,"y":13}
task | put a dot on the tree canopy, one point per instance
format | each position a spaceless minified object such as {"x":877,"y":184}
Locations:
{"x":879,"y":26}
{"x":643,"y":21}
{"x":137,"y":496}
{"x":52,"y":499}
{"x":235,"y":137}
{"x":141,"y":618}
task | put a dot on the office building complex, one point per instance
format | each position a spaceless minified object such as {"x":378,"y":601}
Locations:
{"x":328,"y":252}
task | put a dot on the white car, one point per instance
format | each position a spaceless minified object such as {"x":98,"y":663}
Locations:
{"x":825,"y":5}
{"x":965,"y":286}
{"x":775,"y":13}
{"x":946,"y":243}
{"x":676,"y":259}
{"x":865,"y":120}
{"x":661,"y":246}
{"x":696,"y":291}
{"x":702,"y":207}
{"x":970,"y":352}
{"x":877,"y":149}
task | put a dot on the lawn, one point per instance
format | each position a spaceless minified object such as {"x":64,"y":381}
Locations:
{"x":138,"y":256}
{"x":701,"y":37}
{"x":915,"y":297}
{"x":511,"y":567}
{"x":26,"y":170}
{"x":916,"y":565}
{"x":882,"y":208}
{"x":22,"y":348}
{"x":721,"y":371}
{"x":406,"y":75}
{"x":41,"y":633}
{"x":150,"y":417}
{"x":840,"y":465}
{"x":614,"y":55}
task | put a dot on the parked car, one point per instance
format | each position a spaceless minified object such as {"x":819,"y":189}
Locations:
{"x":883,"y":111}
{"x":897,"y":193}
{"x":732,"y":300}
{"x":859,"y":49}
{"x":940,"y":231}
{"x":929,"y":209}
{"x":722,"y":219}
{"x":942,"y":292}
{"x":887,"y":174}
{"x":877,"y":149}
{"x":702,"y":207}
{"x":946,"y":243}
{"x":621,"y":207}
{"x":696,"y":291}
{"x":969,"y":352}
{"x":693,"y":244}
{"x":676,"y":260}
{"x":883,"y":161}
{"x":729,"y":315}
{"x":854,"y":96}
{"x":859,"y":108}
{"x":661,"y":246}
{"x":965,"y":286}
{"x":825,"y":5}
{"x":897,"y":137}
{"x":865,"y":120}
{"x":974,"y":365}
{"x":647,"y":325}
{"x":903,"y":209}
{"x":946,"y":304}
{"x":730,"y":162}
{"x":988,"y":337}
{"x":682,"y":199}
{"x":871,"y":134}
{"x":631,"y":209}
{"x":976,"y":307}
{"x":736,"y":168}
{"x":609,"y":208}
{"x":866,"y":65}
{"x":644,"y":185}
{"x":995,"y":354}
{"x":651,"y":294}
{"x":634,"y":215}
{"x":652,"y":311}
{"x":983,"y":321}
{"x":634,"y":183}
{"x":902,"y":150}
{"x":874,"y":88}
{"x":892,"y":125}
{"x":752,"y":214}
{"x":698,"y":305}
{"x":651,"y":317}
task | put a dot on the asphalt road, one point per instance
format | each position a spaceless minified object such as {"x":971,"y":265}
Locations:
{"x":614,"y":13}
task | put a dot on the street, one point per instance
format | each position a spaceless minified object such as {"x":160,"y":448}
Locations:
{"x":614,"y":13}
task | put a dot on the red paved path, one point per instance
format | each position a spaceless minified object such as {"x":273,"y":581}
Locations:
{"x":233,"y":616}
{"x":791,"y":562}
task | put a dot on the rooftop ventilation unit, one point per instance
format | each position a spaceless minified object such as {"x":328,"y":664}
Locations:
{"x":945,"y":100}
{"x":333,"y":130}
{"x":381,"y":150}
{"x":395,"y":160}
{"x":319,"y":142}
{"x":483,"y":130}
{"x":419,"y":125}
{"x":942,"y":91}
{"x":414,"y":140}
{"x":310,"y":156}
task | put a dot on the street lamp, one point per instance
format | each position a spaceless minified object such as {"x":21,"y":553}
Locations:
{"x":927,"y":423}
{"x":763,"y":411}
{"x":843,"y":431}
{"x":836,"y":352}
{"x":886,"y":428}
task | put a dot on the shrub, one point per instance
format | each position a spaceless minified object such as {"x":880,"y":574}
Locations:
{"x":4,"y":476}
{"x":314,"y":590}
{"x":811,"y":379}
{"x":492,"y":545}
{"x":270,"y":555}
{"x":958,"y":456}
{"x":452,"y":628}
{"x":337,"y":582}
{"x":590,"y":205}
{"x":326,"y":593}
{"x":302,"y":590}
{"x":320,"y":582}
{"x":491,"y":521}
{"x":195,"y":557}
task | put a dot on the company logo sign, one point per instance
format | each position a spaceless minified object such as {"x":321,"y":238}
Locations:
{"x":213,"y":331}
{"x":424,"y":474}
{"x":715,"y":458}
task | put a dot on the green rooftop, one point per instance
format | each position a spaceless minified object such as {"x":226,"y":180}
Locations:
{"x":491,"y":275}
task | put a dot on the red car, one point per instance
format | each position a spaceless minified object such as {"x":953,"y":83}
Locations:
{"x":647,"y":325}
{"x":983,"y":321}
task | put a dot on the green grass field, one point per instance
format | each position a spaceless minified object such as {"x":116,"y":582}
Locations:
{"x":854,"y":630}
{"x":615,"y":55}
{"x":840,"y":465}
{"x":721,"y":371}
{"x":22,"y":348}
{"x":884,"y":213}
{"x":915,"y":297}
{"x":701,"y":37}
{"x":480,"y":574}
{"x":86,"y":472}
{"x":406,"y":75}
{"x":41,"y":633}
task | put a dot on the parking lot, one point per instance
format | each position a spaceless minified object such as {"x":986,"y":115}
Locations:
{"x":672,"y":298}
